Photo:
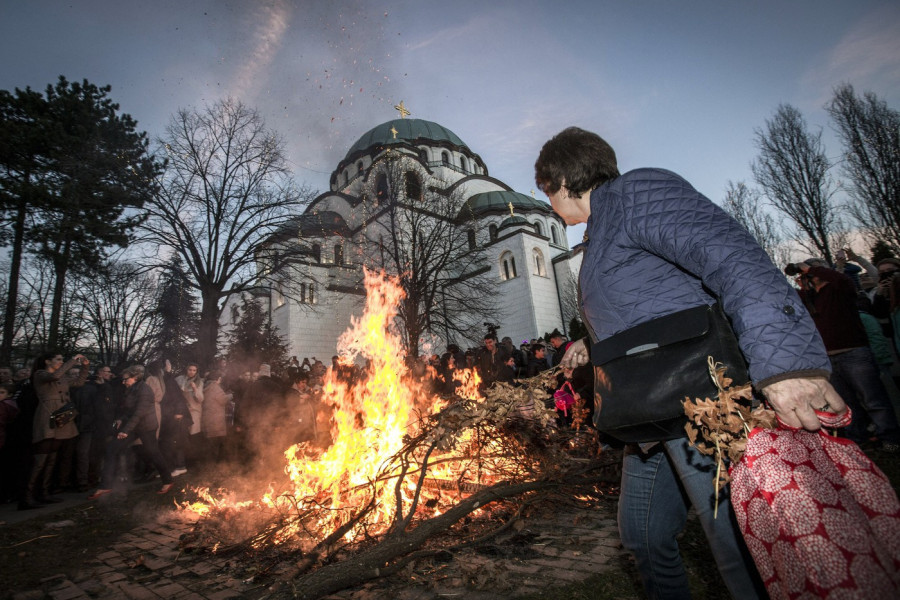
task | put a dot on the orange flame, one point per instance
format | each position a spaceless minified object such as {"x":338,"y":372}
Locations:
{"x":372,"y":420}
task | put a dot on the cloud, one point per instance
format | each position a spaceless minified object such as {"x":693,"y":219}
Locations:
{"x":273,"y":21}
{"x":868,"y":56}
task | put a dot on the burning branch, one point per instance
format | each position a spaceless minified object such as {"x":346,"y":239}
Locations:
{"x":394,"y":477}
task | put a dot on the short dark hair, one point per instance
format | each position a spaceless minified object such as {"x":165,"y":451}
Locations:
{"x":580,"y":159}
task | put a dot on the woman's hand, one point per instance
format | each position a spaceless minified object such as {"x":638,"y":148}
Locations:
{"x":796,"y":401}
{"x":575,"y":356}
{"x":122,"y":435}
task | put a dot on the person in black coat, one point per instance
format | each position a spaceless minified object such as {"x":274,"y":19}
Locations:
{"x":176,"y":423}
{"x":141,"y":423}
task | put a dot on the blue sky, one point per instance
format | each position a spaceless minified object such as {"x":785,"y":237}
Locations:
{"x":674,"y":84}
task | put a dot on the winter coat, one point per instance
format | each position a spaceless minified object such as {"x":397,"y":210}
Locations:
{"x":215,"y":410}
{"x":143,"y":409}
{"x":52,"y":390}
{"x":193,"y":398}
{"x":657,"y":246}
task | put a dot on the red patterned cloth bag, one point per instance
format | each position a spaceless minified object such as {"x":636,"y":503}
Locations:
{"x":819,"y":518}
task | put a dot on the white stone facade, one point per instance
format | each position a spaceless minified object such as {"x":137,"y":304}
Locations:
{"x":524,"y":244}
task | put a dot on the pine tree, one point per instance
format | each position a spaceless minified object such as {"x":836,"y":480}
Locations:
{"x":177,"y":309}
{"x":253,"y":340}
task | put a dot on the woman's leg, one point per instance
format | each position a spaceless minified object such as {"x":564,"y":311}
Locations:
{"x":652,"y":512}
{"x":696,"y":472}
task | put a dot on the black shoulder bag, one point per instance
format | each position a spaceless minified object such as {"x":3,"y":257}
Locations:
{"x":642,"y":375}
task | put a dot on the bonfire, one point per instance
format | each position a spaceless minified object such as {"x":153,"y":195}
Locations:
{"x":403,"y":466}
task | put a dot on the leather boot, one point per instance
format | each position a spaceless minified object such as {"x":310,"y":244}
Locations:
{"x":45,"y":495}
{"x":30,"y":501}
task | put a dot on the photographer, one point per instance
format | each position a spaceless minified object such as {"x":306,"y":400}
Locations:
{"x":830,"y":297}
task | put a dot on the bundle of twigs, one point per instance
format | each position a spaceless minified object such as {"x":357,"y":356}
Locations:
{"x":504,"y":447}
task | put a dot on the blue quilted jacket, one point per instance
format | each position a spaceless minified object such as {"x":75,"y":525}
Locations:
{"x":657,"y":246}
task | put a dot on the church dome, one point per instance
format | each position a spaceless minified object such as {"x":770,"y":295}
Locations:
{"x":322,"y":224}
{"x":514,"y":221}
{"x":410,"y":131}
{"x":498,"y":202}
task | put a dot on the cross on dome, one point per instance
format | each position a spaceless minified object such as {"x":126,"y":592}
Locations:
{"x":404,"y":112}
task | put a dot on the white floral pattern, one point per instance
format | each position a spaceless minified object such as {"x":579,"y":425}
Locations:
{"x":819,"y":518}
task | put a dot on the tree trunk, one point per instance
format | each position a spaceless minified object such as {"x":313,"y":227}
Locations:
{"x":12,"y":296}
{"x":60,"y":268}
{"x":208,"y":334}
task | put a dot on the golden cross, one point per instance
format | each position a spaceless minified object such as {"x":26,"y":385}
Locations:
{"x":403,"y":110}
{"x":532,"y":194}
{"x":511,"y":213}
{"x":395,"y":132}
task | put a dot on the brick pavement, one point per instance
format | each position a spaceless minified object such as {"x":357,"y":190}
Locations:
{"x":557,"y":546}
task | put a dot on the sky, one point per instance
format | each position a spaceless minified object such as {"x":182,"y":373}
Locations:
{"x":682,"y":85}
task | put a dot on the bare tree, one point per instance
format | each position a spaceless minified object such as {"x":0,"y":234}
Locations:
{"x":745,"y":205}
{"x":420,"y":234}
{"x":226,"y":189}
{"x":118,"y":309}
{"x":793,"y":172}
{"x":870,"y":133}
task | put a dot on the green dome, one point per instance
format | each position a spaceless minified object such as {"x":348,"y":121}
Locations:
{"x":408,"y":130}
{"x":515,"y":220}
{"x":498,"y":201}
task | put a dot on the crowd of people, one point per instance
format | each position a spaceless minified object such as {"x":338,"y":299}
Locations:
{"x":68,"y":426}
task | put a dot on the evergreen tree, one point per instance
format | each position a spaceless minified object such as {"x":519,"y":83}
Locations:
{"x":176,"y":307}
{"x":253,"y":340}
{"x":75,"y":167}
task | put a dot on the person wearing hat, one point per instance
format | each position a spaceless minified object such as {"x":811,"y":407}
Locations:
{"x":654,"y":246}
{"x":138,"y":423}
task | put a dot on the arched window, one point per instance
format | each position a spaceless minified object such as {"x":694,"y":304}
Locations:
{"x":338,"y":254}
{"x":445,"y":158}
{"x":423,"y":155}
{"x":308,"y":293}
{"x":317,"y":253}
{"x":278,"y":295}
{"x":538,"y":228}
{"x":413,"y":186}
{"x":538,"y":263}
{"x":507,"y":266}
{"x":359,"y":167}
{"x":462,"y":164}
{"x":492,"y":229}
{"x":381,"y":189}
{"x":554,"y":235}
{"x":471,"y":236}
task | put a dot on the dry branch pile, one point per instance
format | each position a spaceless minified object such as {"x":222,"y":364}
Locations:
{"x":466,"y":474}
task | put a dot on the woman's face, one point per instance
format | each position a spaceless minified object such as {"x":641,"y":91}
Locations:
{"x":54,"y":363}
{"x":572,"y":210}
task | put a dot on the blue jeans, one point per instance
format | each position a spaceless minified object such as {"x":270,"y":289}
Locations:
{"x":855,"y":376}
{"x":657,"y":488}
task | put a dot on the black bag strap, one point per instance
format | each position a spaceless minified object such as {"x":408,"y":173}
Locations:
{"x":669,"y":329}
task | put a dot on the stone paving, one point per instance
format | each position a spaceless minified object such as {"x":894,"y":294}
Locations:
{"x":557,"y":546}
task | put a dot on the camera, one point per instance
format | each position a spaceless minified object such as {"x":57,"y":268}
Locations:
{"x":792,"y":270}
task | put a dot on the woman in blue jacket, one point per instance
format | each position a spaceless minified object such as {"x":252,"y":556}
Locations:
{"x":655,"y":247}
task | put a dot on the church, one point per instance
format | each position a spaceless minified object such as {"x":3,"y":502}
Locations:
{"x":525,"y":263}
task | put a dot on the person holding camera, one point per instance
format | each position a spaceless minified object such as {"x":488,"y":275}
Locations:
{"x":52,"y":423}
{"x":830,"y":297}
